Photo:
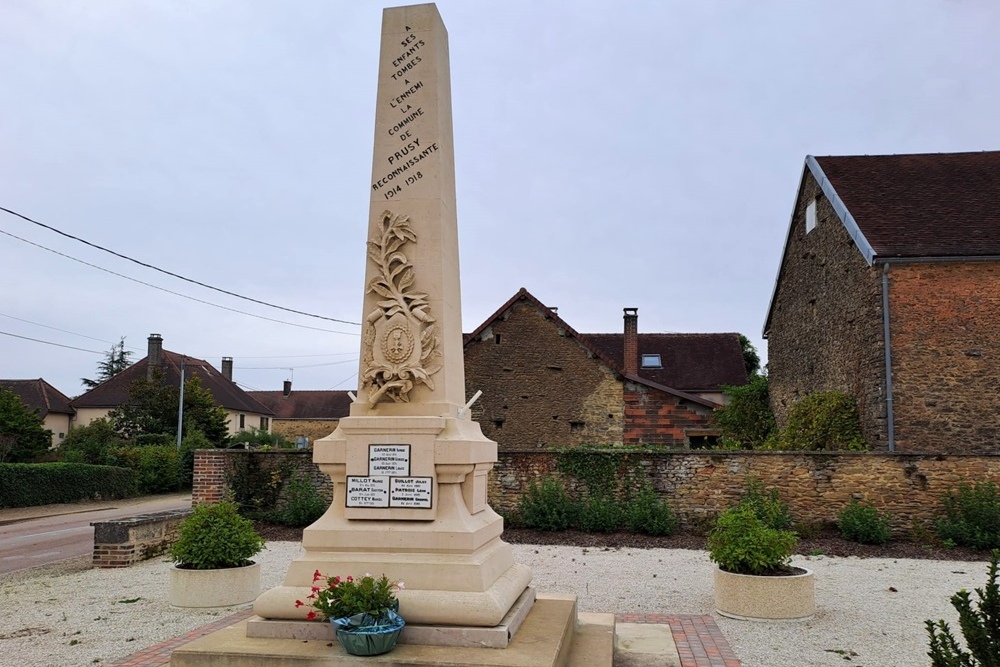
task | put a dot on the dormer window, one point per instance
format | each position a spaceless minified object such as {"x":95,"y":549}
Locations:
{"x":651,"y":361}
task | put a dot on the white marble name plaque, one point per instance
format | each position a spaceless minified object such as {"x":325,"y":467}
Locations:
{"x":410,"y":492}
{"x":367,"y":491}
{"x":389,"y":460}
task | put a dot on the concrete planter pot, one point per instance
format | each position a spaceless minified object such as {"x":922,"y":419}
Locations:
{"x":758,"y":598}
{"x":214,"y":588}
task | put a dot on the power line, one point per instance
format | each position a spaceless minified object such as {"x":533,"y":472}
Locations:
{"x":69,"y":347}
{"x":72,"y":333}
{"x":170,"y":273}
{"x":164,"y":289}
{"x":285,"y":368}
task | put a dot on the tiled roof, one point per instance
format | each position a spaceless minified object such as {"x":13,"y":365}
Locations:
{"x":114,"y":391}
{"x":926,"y":205}
{"x":309,"y":404}
{"x":690,"y":362}
{"x":39,"y":394}
{"x":604,"y":350}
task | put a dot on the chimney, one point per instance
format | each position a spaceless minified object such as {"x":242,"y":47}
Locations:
{"x":631,"y":342}
{"x":227,"y":368}
{"x":154,"y":354}
{"x":288,"y":388}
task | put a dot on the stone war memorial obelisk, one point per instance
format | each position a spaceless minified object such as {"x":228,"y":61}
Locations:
{"x":409,"y":466}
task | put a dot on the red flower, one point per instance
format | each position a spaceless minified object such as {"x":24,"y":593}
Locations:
{"x":317,"y":576}
{"x":299,"y":603}
{"x":315,"y":589}
{"x":350,"y":578}
{"x":310,"y":616}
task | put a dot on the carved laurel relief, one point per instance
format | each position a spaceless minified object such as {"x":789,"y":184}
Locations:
{"x":401,"y":346}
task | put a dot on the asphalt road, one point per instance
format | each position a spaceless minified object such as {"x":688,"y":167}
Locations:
{"x":35,"y":536}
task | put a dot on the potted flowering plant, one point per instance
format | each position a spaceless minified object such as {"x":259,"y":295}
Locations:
{"x":363,"y":611}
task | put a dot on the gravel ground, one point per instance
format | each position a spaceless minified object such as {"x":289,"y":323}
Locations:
{"x":870,"y":611}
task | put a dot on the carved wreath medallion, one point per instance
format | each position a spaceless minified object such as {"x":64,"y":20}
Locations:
{"x":400,"y":344}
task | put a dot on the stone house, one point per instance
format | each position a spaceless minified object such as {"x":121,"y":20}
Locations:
{"x":243,"y":410}
{"x":889,"y":290}
{"x":52,"y":405}
{"x":307,"y":415}
{"x":545,"y":385}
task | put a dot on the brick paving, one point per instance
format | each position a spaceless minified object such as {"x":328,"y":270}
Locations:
{"x":698,"y":639}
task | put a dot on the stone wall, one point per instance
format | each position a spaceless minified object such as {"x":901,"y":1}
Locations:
{"x":815,"y":485}
{"x":699,"y":485}
{"x":945,"y":334}
{"x":124,"y":542}
{"x":214,"y":469}
{"x":540,"y":387}
{"x":314,"y":429}
{"x":826,"y":324}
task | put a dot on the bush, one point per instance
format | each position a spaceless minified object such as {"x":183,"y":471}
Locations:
{"x":601,"y":513}
{"x":32,"y":484}
{"x":193,"y":440}
{"x":767,"y":505}
{"x":90,"y":443}
{"x":743,"y":544}
{"x":257,"y":438}
{"x":746,"y":421}
{"x":157,"y":466}
{"x":548,"y":506}
{"x":215,"y":537}
{"x":823,"y":421}
{"x":303,"y":504}
{"x":972,"y":516}
{"x":864,"y":524}
{"x":980,"y":628}
{"x":649,"y":514}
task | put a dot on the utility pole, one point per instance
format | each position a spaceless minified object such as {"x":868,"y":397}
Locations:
{"x":180,"y":409}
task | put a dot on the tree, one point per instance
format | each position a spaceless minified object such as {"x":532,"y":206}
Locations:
{"x":22,"y":435}
{"x":152,"y":409}
{"x":90,"y":443}
{"x":115,"y":361}
{"x":751,"y":359}
{"x":746,"y":421}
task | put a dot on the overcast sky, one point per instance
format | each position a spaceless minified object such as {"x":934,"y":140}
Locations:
{"x":611,"y":154}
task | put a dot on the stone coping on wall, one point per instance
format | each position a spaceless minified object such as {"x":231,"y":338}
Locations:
{"x":128,"y":540}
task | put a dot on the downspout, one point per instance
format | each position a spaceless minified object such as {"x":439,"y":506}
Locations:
{"x":891,"y":430}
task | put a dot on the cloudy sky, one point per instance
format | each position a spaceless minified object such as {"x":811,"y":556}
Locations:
{"x":641,"y":154}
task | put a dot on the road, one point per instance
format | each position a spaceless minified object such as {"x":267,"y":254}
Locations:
{"x":30,"y":537}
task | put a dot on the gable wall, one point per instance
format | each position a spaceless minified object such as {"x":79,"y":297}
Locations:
{"x":540,"y":387}
{"x":653,"y":417}
{"x":826,"y":327}
{"x":945,"y":334}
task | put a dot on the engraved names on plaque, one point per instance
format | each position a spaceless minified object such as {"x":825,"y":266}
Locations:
{"x":388,"y":483}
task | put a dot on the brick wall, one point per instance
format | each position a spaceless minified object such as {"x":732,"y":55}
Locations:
{"x":826,"y":322}
{"x":816,"y":486}
{"x":208,"y":484}
{"x":214,"y":467}
{"x":540,"y":387}
{"x":653,"y":417}
{"x":945,"y":333}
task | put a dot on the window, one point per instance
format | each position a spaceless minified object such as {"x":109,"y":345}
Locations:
{"x":651,"y":361}
{"x":242,"y":421}
{"x":811,"y":216}
{"x":263,"y":423}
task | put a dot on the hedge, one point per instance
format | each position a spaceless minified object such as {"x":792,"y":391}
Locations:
{"x":30,"y":484}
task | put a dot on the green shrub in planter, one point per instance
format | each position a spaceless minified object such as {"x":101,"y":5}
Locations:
{"x":649,"y":514}
{"x":864,"y":524}
{"x":743,"y":544}
{"x":601,"y":513}
{"x":768,"y":507}
{"x":548,"y":507}
{"x":972,"y":516}
{"x":215,"y":537}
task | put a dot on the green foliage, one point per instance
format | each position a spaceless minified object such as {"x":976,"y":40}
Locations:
{"x":823,"y":421}
{"x":595,"y":467}
{"x":152,"y":410}
{"x":257,"y":438}
{"x":601,"y":513}
{"x":744,"y":544}
{"x":22,"y":436}
{"x":548,"y":507}
{"x":864,"y":524}
{"x":115,"y":361}
{"x":650,"y":514}
{"x":972,"y":516}
{"x":746,"y":421}
{"x":90,"y":443}
{"x":980,"y":628}
{"x":303,"y":503}
{"x":767,"y":505}
{"x":256,"y":486}
{"x":341,"y":598}
{"x":31,"y":484}
{"x":751,"y":360}
{"x":215,"y":537}
{"x":157,"y":466}
{"x":193,"y":440}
